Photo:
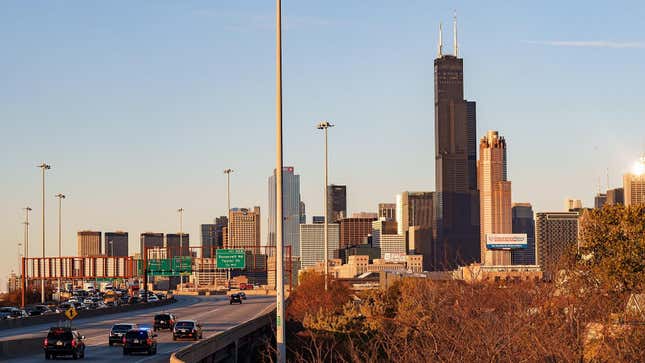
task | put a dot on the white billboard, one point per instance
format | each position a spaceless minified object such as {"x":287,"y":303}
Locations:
{"x":510,"y":241}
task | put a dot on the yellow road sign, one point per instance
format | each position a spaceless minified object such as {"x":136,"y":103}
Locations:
{"x":71,"y":313}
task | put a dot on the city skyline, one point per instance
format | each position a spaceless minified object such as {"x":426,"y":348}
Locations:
{"x":100,"y":199}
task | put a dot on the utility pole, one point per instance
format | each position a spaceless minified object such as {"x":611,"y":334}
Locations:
{"x":43,"y":167}
{"x":60,"y":197}
{"x":181,"y":246}
{"x":280,"y":341}
{"x":228,"y":219}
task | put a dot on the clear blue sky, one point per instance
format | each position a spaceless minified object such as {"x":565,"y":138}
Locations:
{"x":140,"y":105}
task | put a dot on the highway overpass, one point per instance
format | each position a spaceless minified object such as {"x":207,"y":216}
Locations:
{"x":213,"y":312}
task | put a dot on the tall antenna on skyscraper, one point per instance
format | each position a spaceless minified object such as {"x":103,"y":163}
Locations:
{"x":454,"y":31}
{"x":440,"y":50}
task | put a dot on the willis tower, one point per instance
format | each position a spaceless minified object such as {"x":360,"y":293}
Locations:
{"x":456,"y":224}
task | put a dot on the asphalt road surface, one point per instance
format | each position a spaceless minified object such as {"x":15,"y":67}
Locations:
{"x":213,"y":312}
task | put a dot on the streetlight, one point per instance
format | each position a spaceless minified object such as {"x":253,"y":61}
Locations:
{"x":279,"y":278}
{"x":60,"y":197}
{"x":181,"y":248}
{"x":325,"y":125}
{"x":43,"y":167}
{"x":228,"y":217}
{"x":26,"y":223}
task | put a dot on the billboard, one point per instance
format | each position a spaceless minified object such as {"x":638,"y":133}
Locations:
{"x":509,"y":241}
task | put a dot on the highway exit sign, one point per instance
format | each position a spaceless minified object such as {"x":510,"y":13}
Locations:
{"x":231,"y":258}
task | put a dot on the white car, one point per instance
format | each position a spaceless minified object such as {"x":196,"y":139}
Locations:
{"x":153,"y":298}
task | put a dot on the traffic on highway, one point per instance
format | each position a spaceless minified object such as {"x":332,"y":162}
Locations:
{"x":149,"y":335}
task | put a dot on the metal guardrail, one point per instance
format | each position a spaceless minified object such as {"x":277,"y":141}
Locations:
{"x":238,"y":344}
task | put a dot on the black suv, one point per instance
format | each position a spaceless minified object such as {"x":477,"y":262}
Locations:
{"x":118,"y":331}
{"x":235,"y":298}
{"x":140,"y":340}
{"x":164,"y":321}
{"x":64,"y":341}
{"x":187,"y":329}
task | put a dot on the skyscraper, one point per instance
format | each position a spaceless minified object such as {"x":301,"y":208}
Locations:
{"x":89,"y":243}
{"x":615,"y":196}
{"x":291,"y":209}
{"x":116,"y":243}
{"x":414,"y":209}
{"x":173,"y":244}
{"x":303,"y":213}
{"x":456,"y":200}
{"x":150,"y":241}
{"x":599,"y":200}
{"x":385,"y":237}
{"x":353,"y":231}
{"x":387,"y":211}
{"x":523,"y":222}
{"x":554,"y":233}
{"x":245,"y":229}
{"x":336,"y":202}
{"x":494,"y":196}
{"x":213,"y":236}
{"x":312,"y":242}
{"x":634,"y":184}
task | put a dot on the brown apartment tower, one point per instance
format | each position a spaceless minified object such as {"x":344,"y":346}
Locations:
{"x":494,"y":196}
{"x":89,"y":243}
{"x":456,"y":196}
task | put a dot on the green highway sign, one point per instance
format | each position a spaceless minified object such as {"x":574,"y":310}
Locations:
{"x":231,"y":258}
{"x":176,"y":266}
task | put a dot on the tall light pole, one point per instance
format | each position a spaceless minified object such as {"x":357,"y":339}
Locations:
{"x":60,"y":197}
{"x":26,"y":223}
{"x":181,"y":246}
{"x":43,"y":167}
{"x":228,"y":217}
{"x":324,"y":125}
{"x":279,"y":294}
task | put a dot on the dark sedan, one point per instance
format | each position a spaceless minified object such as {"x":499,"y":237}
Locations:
{"x":187,"y":329}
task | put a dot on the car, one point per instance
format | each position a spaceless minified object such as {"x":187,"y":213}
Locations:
{"x":12,"y":313}
{"x":134,"y":300}
{"x":118,"y":331}
{"x":242,"y":295}
{"x":187,"y":329}
{"x":64,"y":341}
{"x":153,"y":298}
{"x":164,"y":321}
{"x":235,"y":298}
{"x":140,"y":340}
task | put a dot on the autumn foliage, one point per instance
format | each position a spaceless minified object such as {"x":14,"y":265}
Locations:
{"x":577,"y":318}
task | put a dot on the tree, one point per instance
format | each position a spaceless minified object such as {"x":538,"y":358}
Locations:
{"x":612,"y":248}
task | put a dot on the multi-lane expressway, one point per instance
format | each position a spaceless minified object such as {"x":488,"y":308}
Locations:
{"x":213,"y":312}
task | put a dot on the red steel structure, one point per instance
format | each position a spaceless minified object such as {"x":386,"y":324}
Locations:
{"x":80,"y":268}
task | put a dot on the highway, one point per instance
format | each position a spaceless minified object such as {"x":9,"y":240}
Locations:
{"x":213,"y":312}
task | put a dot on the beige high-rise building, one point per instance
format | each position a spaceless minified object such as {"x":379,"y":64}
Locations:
{"x":245,"y":229}
{"x":495,"y":211}
{"x":89,"y":243}
{"x":634,"y":184}
{"x":571,"y":204}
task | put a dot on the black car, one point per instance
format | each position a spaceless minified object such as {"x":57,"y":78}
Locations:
{"x":164,"y":321}
{"x":235,"y":298}
{"x":242,"y":295}
{"x":64,"y":341}
{"x":140,"y":340}
{"x":118,"y":331}
{"x":187,"y":329}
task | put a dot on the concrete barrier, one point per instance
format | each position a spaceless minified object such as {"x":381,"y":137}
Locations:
{"x":53,"y":318}
{"x":21,"y":347}
{"x":239,"y":344}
